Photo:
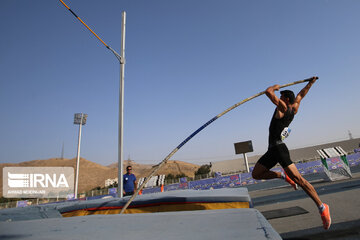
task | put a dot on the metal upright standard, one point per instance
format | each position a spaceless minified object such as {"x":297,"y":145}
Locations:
{"x":79,"y":119}
{"x":121,"y":109}
{"x":121,"y":97}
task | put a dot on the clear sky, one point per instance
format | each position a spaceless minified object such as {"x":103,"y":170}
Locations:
{"x":186,"y":61}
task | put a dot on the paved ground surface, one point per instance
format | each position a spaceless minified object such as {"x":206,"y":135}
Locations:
{"x":342,"y":196}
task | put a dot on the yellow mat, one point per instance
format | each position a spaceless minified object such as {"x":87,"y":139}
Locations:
{"x":158,"y":208}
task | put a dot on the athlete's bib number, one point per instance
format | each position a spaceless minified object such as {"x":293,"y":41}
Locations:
{"x":285,"y":133}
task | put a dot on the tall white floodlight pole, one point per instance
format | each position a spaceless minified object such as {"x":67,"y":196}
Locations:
{"x":121,"y":108}
{"x":79,"y":119}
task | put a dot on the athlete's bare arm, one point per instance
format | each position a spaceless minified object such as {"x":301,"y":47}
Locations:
{"x":281,"y":105}
{"x":302,"y":94}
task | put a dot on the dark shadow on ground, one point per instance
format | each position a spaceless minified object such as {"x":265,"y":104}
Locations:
{"x":344,"y":231}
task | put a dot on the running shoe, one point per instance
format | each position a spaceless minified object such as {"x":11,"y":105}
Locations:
{"x":325,"y":216}
{"x":291,"y":182}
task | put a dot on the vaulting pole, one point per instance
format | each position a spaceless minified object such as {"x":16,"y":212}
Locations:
{"x":157,"y":168}
{"x":107,"y":46}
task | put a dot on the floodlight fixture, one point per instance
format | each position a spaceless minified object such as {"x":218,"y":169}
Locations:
{"x":80,"y":118}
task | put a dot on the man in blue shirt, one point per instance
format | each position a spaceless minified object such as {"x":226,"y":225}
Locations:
{"x":129,"y":182}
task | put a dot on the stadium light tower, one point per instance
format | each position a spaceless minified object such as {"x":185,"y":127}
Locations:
{"x":79,"y":119}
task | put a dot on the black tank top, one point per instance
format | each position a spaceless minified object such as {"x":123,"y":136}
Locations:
{"x":278,"y":125}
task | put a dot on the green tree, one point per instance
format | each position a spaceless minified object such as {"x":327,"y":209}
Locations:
{"x":170,"y":176}
{"x":204,"y":169}
{"x":180,"y":175}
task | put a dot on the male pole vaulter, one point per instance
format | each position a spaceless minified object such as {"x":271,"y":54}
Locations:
{"x":286,"y":108}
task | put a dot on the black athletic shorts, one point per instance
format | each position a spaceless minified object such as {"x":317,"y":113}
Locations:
{"x":276,"y":154}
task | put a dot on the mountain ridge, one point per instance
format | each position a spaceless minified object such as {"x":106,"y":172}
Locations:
{"x":92,"y":175}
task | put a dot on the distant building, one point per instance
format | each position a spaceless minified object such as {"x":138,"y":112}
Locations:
{"x":109,"y":182}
